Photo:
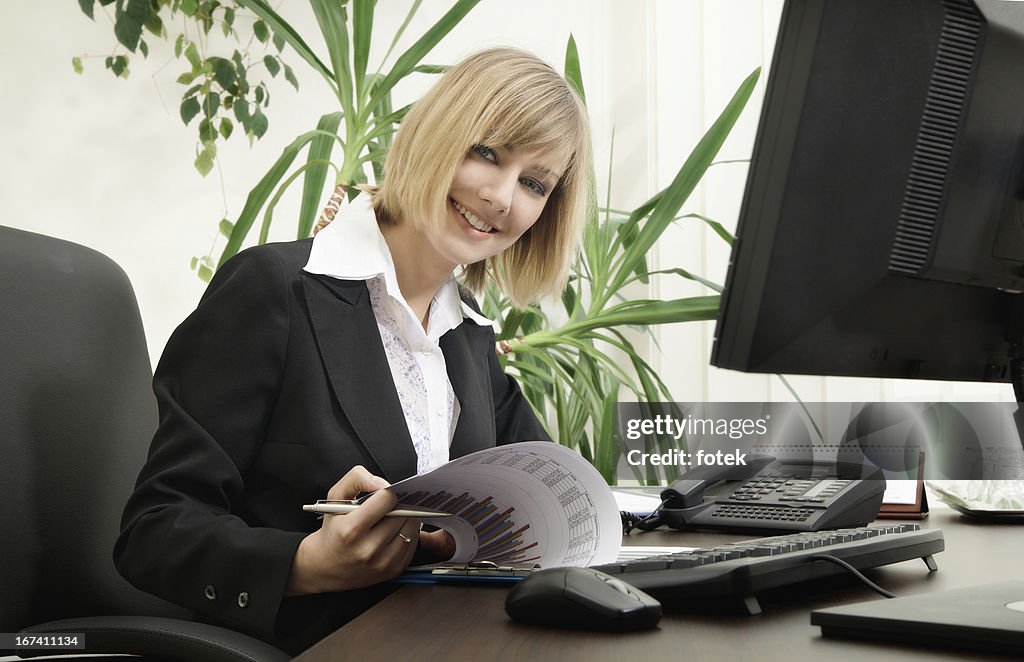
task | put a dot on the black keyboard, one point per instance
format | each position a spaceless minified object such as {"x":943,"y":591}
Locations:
{"x":742,"y":569}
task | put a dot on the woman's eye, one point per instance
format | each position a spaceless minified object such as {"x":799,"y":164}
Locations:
{"x":486,"y":152}
{"x":534,"y":186}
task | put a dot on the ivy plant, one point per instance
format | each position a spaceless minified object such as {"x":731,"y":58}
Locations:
{"x":224,"y":75}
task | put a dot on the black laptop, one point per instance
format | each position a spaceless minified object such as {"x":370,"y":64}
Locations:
{"x":986,"y":618}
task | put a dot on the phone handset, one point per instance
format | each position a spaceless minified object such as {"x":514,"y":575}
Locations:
{"x":688,"y":491}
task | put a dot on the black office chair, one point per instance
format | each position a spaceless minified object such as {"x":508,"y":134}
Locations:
{"x":76,"y":415}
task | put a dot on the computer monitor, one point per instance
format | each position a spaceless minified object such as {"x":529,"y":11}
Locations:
{"x":882,"y":229}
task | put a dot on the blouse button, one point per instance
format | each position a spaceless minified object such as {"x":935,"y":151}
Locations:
{"x":243,"y":599}
{"x":427,"y":351}
{"x":210,"y":592}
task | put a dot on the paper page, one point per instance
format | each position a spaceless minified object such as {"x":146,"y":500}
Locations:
{"x":529,"y":503}
{"x":901,"y":492}
{"x":634,"y":552}
{"x":634,"y":502}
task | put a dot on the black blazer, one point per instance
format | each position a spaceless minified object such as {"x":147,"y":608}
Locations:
{"x":269,"y":392}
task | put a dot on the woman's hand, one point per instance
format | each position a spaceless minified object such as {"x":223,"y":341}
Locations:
{"x":435,"y":547}
{"x":358,"y":549}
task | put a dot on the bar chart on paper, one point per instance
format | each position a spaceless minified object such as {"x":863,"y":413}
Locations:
{"x":528,"y":503}
{"x":500,"y":538}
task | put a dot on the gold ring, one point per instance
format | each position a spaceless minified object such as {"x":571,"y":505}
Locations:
{"x":406,"y":539}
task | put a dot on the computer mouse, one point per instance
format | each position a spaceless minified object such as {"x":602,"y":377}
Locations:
{"x":581,"y":598}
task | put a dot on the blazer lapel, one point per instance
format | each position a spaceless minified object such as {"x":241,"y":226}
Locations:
{"x":349,"y":342}
{"x":465,"y":355}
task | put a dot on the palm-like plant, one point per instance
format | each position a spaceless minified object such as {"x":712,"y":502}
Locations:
{"x":570,"y":372}
{"x":360,"y":131}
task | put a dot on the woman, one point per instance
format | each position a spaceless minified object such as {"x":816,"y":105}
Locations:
{"x":356,"y":355}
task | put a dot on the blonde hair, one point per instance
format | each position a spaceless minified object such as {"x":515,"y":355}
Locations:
{"x":499,"y":96}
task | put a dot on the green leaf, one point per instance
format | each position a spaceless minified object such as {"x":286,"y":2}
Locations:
{"x":119,"y":65}
{"x":689,"y":276}
{"x":569,"y":299}
{"x":128,"y":22}
{"x":205,"y":272}
{"x":87,"y":7}
{"x":572,"y":68}
{"x":268,"y":215}
{"x":240,"y":74}
{"x":281,"y":27}
{"x":272,"y":64}
{"x":192,"y":55}
{"x":211,"y":102}
{"x":606,"y":455}
{"x":179,"y":44}
{"x":204,"y":162}
{"x":189,"y":109}
{"x":431,"y":68}
{"x":229,"y":16}
{"x":262,"y":32}
{"x":189,"y":7}
{"x":362,"y":32}
{"x":223,"y":72}
{"x":226,"y":228}
{"x":193,"y":263}
{"x":278,"y":42}
{"x":718,"y":228}
{"x":689,"y":175}
{"x":634,"y":312}
{"x":384,"y":125}
{"x":381,"y":119}
{"x":207,"y":132}
{"x":316,"y":175}
{"x":411,"y":57}
{"x":155,"y":24}
{"x":258,"y":123}
{"x":226,"y":127}
{"x":332,"y":19}
{"x":241,"y":109}
{"x":186,"y":78}
{"x":260,"y":193}
{"x":401,"y":30}
{"x":144,"y":48}
{"x":76,"y":64}
{"x":289,"y":76}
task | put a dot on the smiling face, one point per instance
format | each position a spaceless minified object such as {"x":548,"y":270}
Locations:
{"x":497,"y":194}
{"x":489,"y":170}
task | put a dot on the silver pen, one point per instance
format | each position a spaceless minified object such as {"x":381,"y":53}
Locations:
{"x":344,"y":507}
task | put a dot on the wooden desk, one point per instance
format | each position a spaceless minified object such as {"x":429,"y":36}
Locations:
{"x":469,"y":623}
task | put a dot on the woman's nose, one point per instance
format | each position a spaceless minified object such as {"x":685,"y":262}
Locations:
{"x":498,"y":192}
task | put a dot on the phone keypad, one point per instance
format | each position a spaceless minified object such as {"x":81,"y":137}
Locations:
{"x":789,"y":490}
{"x":758,"y":512}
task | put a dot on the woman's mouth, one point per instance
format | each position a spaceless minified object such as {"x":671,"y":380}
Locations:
{"x":472,"y":219}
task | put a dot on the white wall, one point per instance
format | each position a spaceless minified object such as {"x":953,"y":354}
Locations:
{"x":107,"y":163}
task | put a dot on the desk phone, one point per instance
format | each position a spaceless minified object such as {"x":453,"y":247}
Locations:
{"x":772,"y":495}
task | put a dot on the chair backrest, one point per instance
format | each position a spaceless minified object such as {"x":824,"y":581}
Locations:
{"x":77,"y":413}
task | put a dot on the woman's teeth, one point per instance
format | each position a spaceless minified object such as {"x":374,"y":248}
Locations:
{"x":471,"y":218}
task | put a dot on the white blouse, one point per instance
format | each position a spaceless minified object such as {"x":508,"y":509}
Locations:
{"x":352,"y":248}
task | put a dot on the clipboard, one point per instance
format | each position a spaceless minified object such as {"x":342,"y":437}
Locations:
{"x":476,"y":572}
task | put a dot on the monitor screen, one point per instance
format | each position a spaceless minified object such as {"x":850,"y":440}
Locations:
{"x":882,"y":228}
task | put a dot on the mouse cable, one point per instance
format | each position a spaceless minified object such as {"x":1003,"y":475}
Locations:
{"x":854,"y":571}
